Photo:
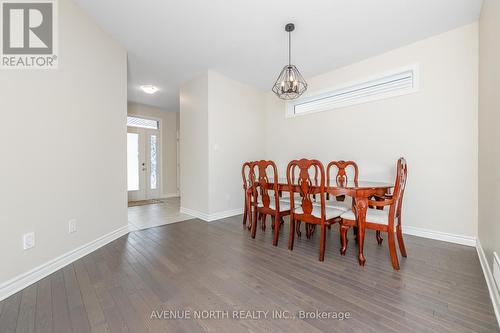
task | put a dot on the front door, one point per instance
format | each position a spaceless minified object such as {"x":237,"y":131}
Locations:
{"x":143,"y":163}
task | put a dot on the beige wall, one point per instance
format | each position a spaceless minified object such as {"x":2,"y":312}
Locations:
{"x":435,"y":129}
{"x":236,"y":135}
{"x":194,"y":144}
{"x":63,"y":147}
{"x":489,"y":128}
{"x":220,"y":124}
{"x":169,"y":143}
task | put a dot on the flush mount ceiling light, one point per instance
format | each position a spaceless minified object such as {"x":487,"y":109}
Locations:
{"x":290,"y":83}
{"x":149,"y":89}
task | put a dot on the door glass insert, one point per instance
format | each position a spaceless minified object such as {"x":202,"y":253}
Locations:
{"x":153,"y":166}
{"x":133,"y":161}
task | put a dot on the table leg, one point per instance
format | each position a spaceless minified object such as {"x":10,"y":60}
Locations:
{"x":361,"y":207}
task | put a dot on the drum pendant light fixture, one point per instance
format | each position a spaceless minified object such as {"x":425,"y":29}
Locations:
{"x":290,"y":83}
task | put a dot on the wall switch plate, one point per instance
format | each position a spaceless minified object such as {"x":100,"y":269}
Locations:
{"x":72,"y":226}
{"x":28,"y":240}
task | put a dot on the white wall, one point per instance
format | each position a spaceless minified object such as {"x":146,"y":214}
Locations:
{"x":168,"y":145}
{"x":489,"y":128}
{"x":435,"y":129}
{"x":194,"y":144}
{"x":236,"y":135}
{"x":221,"y":127}
{"x":63,"y":147}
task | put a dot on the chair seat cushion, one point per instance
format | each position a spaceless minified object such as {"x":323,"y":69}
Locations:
{"x":341,"y":205}
{"x":298,"y":201}
{"x":284,"y":206}
{"x":372,"y":216}
{"x":330,"y":212}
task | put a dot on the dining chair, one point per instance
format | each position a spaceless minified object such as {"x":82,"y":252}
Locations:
{"x":297,"y":197}
{"x":343,"y":173}
{"x":307,"y":212}
{"x":382,"y":219}
{"x":266,"y":199}
{"x":248,"y":175}
{"x":298,"y":200}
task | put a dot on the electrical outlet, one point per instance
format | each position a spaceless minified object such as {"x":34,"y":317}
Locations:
{"x":28,"y":240}
{"x":72,"y":226}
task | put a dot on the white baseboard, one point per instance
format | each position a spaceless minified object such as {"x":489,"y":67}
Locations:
{"x":22,"y":281}
{"x":170,"y":195}
{"x":211,"y":217}
{"x":439,"y":235}
{"x":488,"y":275}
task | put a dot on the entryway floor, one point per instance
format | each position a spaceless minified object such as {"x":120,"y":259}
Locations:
{"x":154,"y":215}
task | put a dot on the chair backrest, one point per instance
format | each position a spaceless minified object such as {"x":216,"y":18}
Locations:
{"x":400,"y":185}
{"x":342,"y":175}
{"x":316,"y":173}
{"x":265,"y":169}
{"x":248,"y":175}
{"x":307,"y":188}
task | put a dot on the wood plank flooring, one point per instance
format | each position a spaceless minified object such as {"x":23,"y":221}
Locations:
{"x":194,"y":265}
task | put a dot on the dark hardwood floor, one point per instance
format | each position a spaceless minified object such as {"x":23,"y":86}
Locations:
{"x":193,"y":265}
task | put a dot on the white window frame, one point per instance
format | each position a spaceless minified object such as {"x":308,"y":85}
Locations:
{"x":415,"y":69}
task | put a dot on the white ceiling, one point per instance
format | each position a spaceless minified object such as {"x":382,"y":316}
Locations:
{"x":169,"y":42}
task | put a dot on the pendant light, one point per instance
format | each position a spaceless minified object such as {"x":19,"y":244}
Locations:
{"x":290,"y":83}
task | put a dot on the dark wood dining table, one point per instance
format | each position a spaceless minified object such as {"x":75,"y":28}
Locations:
{"x":361,"y":191}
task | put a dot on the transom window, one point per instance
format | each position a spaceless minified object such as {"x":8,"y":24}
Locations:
{"x":142,"y":123}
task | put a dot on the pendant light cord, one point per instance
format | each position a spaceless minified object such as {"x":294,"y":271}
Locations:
{"x":289,"y":48}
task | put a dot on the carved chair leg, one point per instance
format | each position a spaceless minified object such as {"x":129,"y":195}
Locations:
{"x":308,"y":230}
{"x":379,"y":238}
{"x":292,"y":233}
{"x":245,"y":213}
{"x":355,"y":232}
{"x":264,"y":217}
{"x":392,"y":250}
{"x":401,"y":243}
{"x":322,"y":241}
{"x":249,"y":215}
{"x":272,"y":222}
{"x":299,"y":234}
{"x":254,"y":222}
{"x":276,"y":228}
{"x":312,"y":228}
{"x":343,"y":239}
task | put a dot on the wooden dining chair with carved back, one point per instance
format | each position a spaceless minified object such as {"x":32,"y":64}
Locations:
{"x":341,"y":173}
{"x":298,"y":200}
{"x":307,"y":212}
{"x":384,"y":220}
{"x":248,"y":175}
{"x":266,"y":198}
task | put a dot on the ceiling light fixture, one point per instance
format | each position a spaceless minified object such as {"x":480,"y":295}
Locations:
{"x":149,"y":89}
{"x":290,"y":83}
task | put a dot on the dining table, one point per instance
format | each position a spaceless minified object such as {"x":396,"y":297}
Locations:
{"x":361,"y":191}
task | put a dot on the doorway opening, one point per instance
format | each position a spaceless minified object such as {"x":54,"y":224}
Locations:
{"x":148,"y":204}
{"x":143,"y":159}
